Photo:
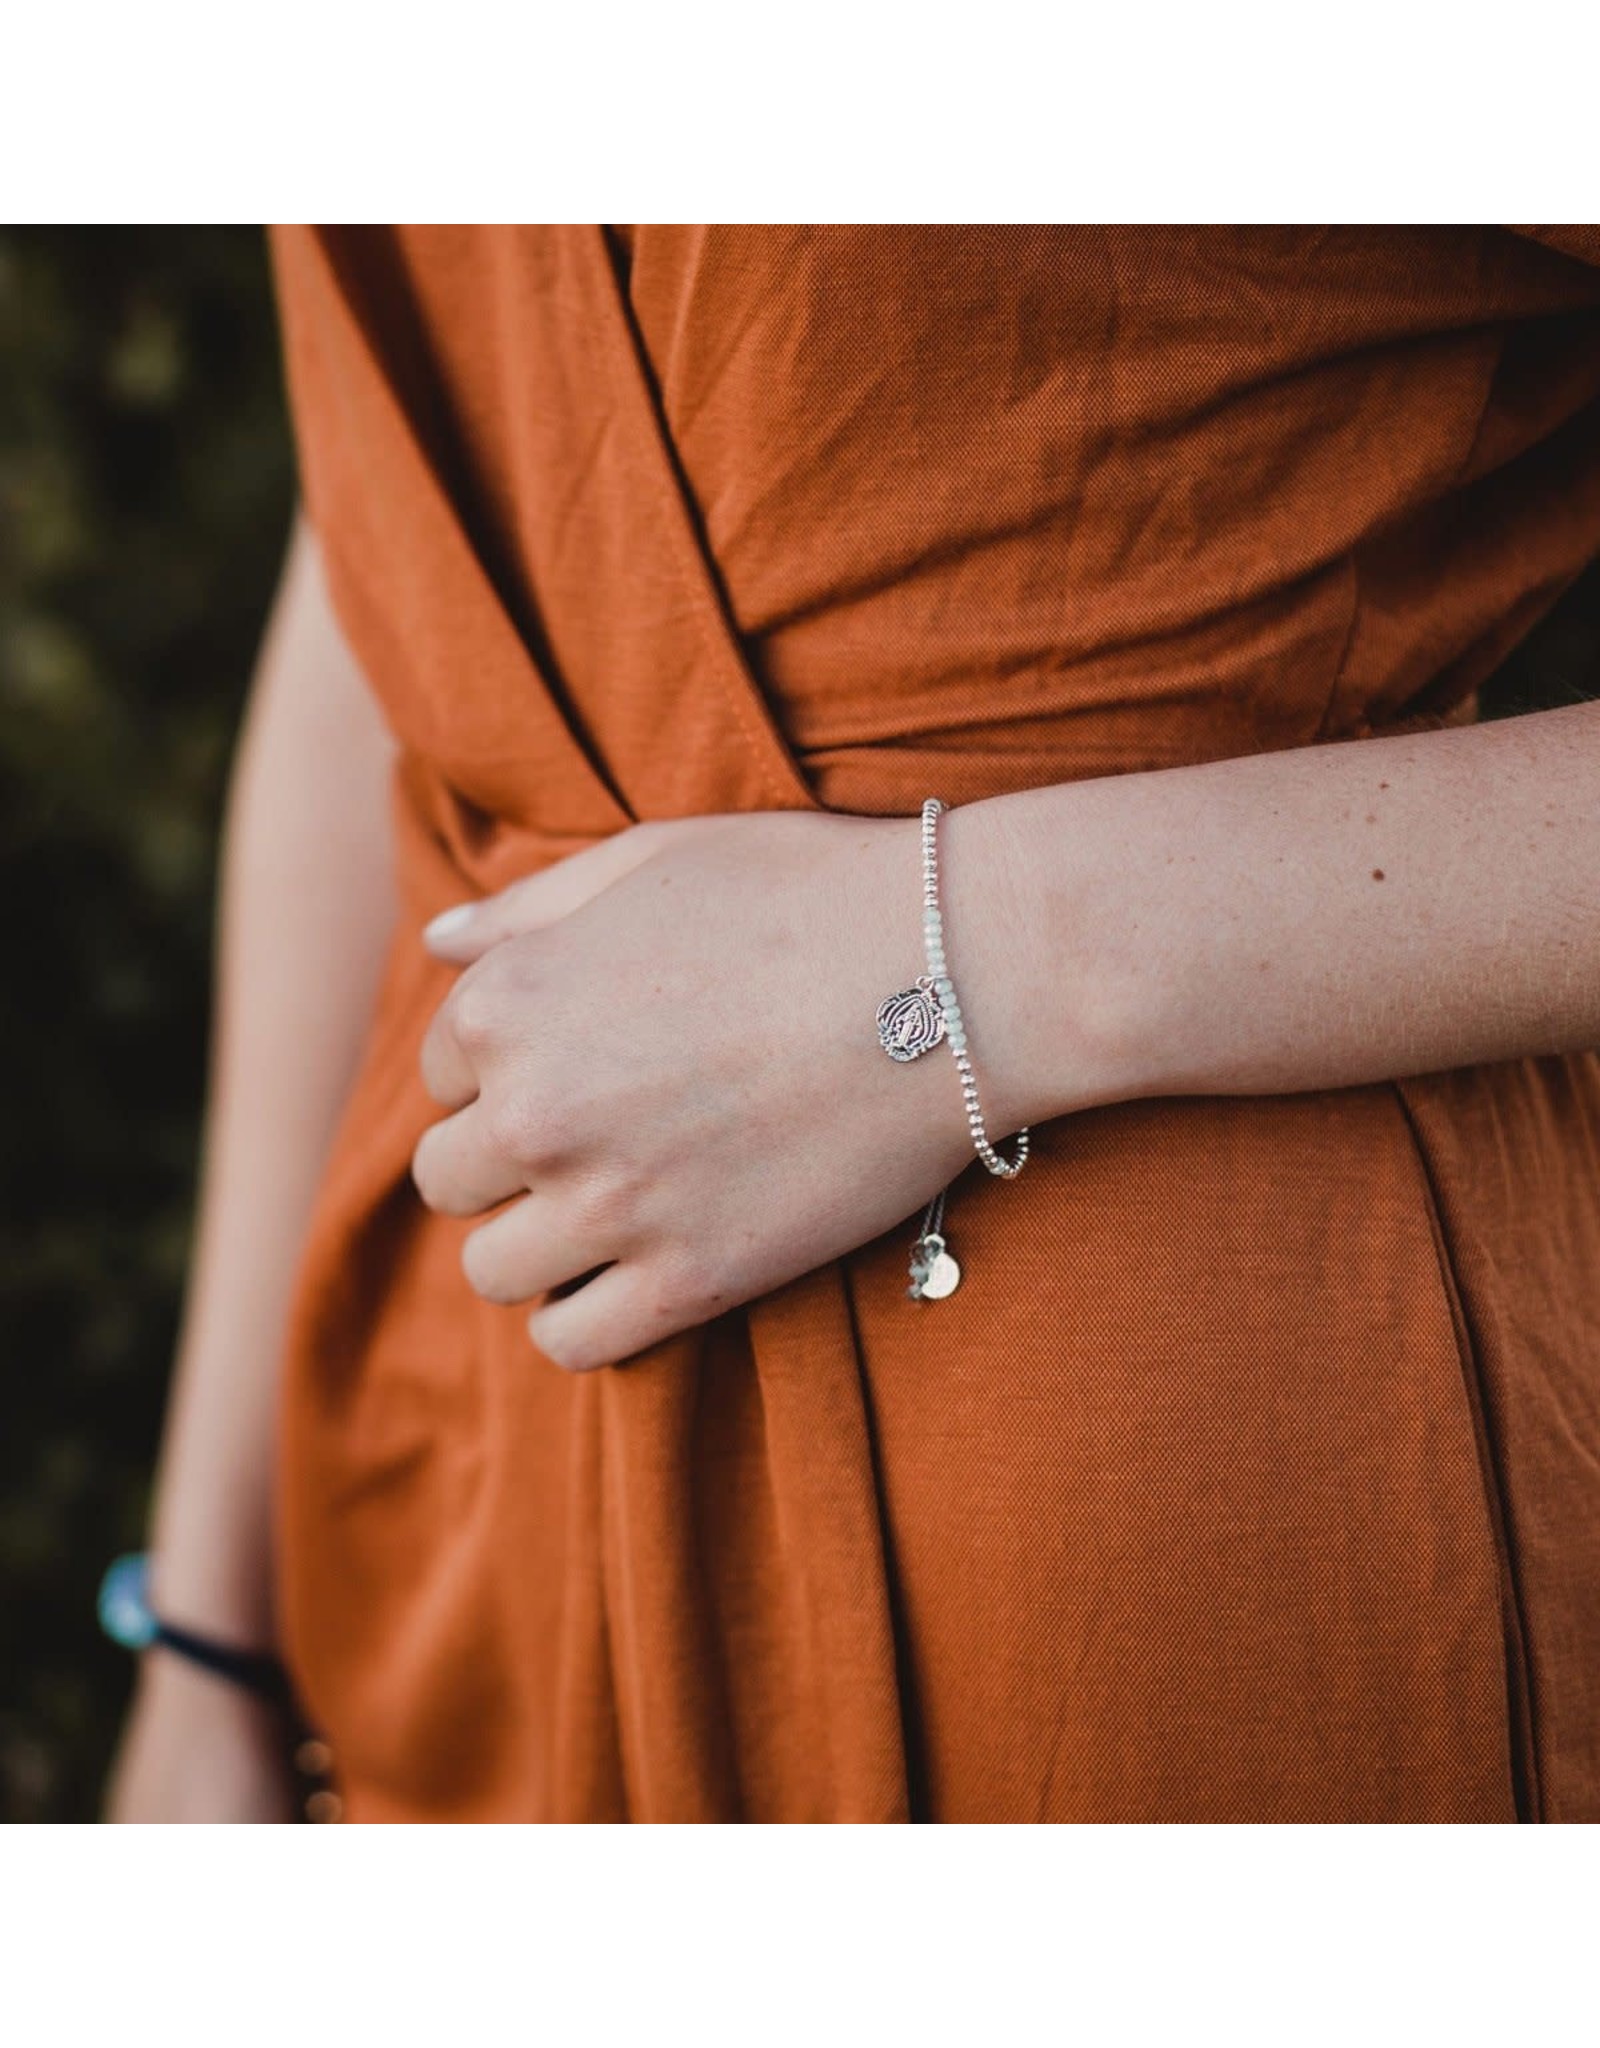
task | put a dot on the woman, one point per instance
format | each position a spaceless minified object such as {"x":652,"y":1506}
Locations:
{"x":1250,"y":1471}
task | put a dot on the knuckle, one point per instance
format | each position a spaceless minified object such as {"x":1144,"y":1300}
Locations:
{"x":475,"y":1011}
{"x":434,"y":1057}
{"x":565,"y":1346}
{"x":421,"y":1167}
{"x":605,"y":1203}
{"x":485,"y":1275}
{"x":521,"y":1126}
{"x":693,"y":1289}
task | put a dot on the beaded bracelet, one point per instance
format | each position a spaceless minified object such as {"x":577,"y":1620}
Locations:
{"x":911,"y":1022}
{"x":129,"y":1619}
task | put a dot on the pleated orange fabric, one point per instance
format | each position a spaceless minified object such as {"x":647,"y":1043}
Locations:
{"x":1254,"y":1474}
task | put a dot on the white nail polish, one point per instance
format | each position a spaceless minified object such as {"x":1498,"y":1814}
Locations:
{"x":449,"y":921}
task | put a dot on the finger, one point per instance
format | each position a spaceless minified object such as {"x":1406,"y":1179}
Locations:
{"x":528,"y":1248}
{"x":468,"y":930}
{"x":449,"y":1072}
{"x":459,"y":1169}
{"x":620,"y":1312}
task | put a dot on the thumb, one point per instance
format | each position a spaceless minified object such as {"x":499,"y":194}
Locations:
{"x":467,"y":930}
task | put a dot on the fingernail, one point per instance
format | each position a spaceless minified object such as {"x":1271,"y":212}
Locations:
{"x":448,"y":922}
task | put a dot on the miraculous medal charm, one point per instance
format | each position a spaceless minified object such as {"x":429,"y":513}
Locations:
{"x":911,"y":1021}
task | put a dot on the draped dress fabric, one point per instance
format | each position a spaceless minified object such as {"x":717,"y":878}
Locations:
{"x":1253,"y":1473}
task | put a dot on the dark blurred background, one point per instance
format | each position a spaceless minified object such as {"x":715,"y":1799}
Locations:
{"x":145,"y":487}
{"x":145,"y":490}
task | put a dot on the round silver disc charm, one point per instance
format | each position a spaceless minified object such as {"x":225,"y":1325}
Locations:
{"x":934,"y":1274}
{"x":911,"y":1021}
{"x":944,"y":1277}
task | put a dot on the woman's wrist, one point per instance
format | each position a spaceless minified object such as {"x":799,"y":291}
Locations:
{"x":1045,"y":974}
{"x":222,"y":1589}
{"x":168,"y":1678}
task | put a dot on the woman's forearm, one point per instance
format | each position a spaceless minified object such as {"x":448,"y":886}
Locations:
{"x":305,"y":910}
{"x":1293,"y":920}
{"x":1283,"y":922}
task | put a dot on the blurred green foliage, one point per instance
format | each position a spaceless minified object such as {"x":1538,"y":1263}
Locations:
{"x":145,"y":491}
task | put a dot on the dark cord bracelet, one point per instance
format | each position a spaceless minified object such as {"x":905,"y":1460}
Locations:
{"x":256,"y":1671}
{"x":128,"y":1618}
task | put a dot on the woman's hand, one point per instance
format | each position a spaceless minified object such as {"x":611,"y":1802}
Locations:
{"x":196,"y":1748}
{"x":662,"y":1052}
{"x":664,"y":1070}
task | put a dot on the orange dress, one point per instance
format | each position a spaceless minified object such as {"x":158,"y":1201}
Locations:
{"x":1255,"y":1474}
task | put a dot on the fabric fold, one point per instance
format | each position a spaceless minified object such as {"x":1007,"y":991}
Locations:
{"x":1177,"y":1509}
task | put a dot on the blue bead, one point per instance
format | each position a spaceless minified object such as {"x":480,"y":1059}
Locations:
{"x":124,"y":1602}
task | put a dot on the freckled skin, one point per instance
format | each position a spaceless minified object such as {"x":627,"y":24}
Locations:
{"x":645,"y":1122}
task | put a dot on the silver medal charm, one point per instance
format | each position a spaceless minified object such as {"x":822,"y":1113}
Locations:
{"x":934,"y":1273}
{"x":911,"y":1021}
